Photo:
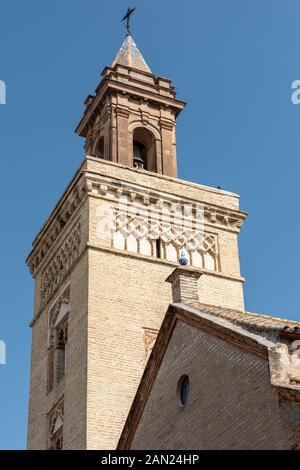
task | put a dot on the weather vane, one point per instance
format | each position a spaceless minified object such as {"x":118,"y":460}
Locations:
{"x":127,"y":18}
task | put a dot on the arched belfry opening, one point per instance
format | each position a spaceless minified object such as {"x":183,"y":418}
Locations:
{"x":99,"y":148}
{"x":144,"y":149}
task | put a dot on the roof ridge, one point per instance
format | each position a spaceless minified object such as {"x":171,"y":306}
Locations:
{"x":245,"y":315}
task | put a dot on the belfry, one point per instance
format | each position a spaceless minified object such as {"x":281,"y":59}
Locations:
{"x":132,"y":113}
{"x":101,"y":259}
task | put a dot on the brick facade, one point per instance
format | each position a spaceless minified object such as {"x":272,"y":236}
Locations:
{"x":117,"y":288}
{"x":232,"y":404}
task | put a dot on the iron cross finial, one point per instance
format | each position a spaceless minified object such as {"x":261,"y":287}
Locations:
{"x":127,"y":18}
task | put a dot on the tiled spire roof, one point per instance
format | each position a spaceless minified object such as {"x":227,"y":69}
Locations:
{"x":130,"y":55}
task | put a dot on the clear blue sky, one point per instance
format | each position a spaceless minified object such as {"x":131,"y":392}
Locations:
{"x":233,"y":61}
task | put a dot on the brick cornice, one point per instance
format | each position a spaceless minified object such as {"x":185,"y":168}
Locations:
{"x":109,"y":85}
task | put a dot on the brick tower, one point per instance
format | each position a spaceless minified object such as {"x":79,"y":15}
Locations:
{"x":101,"y":259}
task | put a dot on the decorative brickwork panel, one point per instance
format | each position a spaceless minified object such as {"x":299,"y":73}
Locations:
{"x":57,"y":339}
{"x":139,"y":229}
{"x":55,"y":426}
{"x":60,"y":265}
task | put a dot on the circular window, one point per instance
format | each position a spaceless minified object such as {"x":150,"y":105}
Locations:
{"x":183,"y":390}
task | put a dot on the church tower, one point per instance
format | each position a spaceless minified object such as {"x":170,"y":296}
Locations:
{"x":101,"y":259}
{"x":133,"y":112}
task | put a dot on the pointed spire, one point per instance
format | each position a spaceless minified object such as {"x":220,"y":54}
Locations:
{"x":130,"y":56}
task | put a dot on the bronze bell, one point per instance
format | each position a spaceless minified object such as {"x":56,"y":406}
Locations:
{"x":137,"y":156}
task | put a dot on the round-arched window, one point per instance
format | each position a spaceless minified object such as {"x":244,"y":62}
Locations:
{"x":183,"y":390}
{"x":144,"y":149}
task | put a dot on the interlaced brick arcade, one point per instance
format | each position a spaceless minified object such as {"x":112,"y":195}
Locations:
{"x":217,"y":377}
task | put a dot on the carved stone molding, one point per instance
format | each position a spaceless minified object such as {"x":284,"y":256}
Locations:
{"x":216,"y":216}
{"x":166,"y":124}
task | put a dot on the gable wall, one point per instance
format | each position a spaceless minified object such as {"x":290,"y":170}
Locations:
{"x":231,"y":405}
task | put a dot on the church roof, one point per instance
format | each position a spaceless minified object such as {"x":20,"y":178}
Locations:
{"x":255,"y":332}
{"x":253,"y":322}
{"x":130,"y":56}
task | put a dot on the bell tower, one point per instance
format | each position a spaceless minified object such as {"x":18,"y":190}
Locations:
{"x":101,"y":259}
{"x":131,"y":119}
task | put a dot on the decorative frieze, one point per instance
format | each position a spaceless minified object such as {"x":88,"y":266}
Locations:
{"x":58,"y":268}
{"x":163,"y":234}
{"x":214,"y":215}
{"x":111,"y":190}
{"x":44,"y":241}
{"x":142,"y":224}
